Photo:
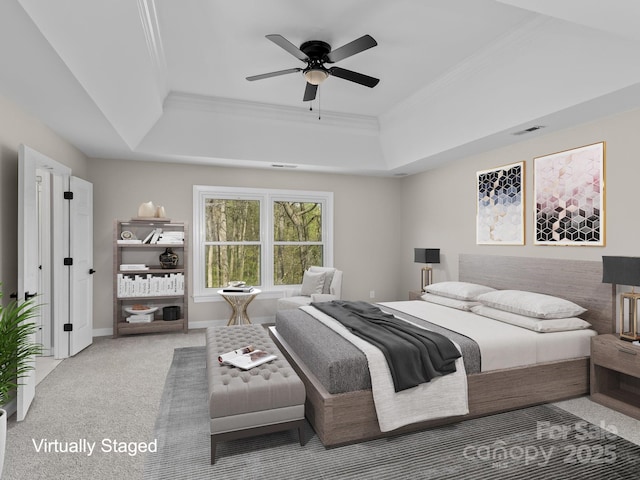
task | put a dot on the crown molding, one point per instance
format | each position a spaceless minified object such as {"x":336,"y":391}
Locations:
{"x":362,"y":124}
{"x":151,"y":28}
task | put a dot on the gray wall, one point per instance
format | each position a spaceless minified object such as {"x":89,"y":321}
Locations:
{"x":367,"y":220}
{"x":16,"y":127}
{"x":440,"y":204}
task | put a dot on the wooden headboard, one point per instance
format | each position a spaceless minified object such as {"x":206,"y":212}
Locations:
{"x":579,"y":281}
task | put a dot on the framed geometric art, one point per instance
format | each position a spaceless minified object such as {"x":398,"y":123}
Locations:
{"x":500,"y":209}
{"x":569,"y":197}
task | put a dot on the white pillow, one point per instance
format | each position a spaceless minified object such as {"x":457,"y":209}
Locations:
{"x":535,"y":324}
{"x":531,"y":304}
{"x":312,"y":282}
{"x":449,"y":302}
{"x":328,"y":276}
{"x":458,"y":290}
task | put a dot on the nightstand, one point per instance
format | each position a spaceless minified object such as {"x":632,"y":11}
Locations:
{"x":615,"y":374}
{"x":415,"y":294}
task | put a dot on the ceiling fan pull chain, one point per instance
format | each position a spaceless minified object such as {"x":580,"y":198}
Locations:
{"x":319,"y":109}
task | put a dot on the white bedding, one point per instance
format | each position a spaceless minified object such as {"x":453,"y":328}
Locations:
{"x":442,"y":397}
{"x":501,"y":345}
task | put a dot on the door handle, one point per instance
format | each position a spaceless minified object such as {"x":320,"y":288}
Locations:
{"x":28,"y":295}
{"x":91,"y":271}
{"x":13,"y":295}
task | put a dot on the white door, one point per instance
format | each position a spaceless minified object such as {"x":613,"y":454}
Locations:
{"x":71,"y":294}
{"x":29,"y":161}
{"x":81,"y":253}
{"x":44,"y":334}
{"x":28,"y":255}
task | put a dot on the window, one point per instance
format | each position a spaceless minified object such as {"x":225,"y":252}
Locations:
{"x":266,"y":238}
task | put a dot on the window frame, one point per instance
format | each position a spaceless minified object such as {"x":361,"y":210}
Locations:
{"x":266,"y":197}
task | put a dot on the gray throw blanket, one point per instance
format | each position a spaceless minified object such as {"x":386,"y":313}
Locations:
{"x":414,"y":355}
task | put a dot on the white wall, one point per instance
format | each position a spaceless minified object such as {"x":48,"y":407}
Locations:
{"x":366,"y":223}
{"x":440,"y":206}
{"x":16,"y":127}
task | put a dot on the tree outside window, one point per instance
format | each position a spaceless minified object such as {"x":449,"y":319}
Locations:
{"x":265,"y":238}
{"x":232,"y":248}
{"x":297,"y":236}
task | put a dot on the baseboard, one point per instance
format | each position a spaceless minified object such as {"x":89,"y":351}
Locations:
{"x":10,"y":408}
{"x":102,"y":332}
{"x":222,"y":323}
{"x":107,"y":332}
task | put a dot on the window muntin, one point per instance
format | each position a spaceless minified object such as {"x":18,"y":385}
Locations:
{"x":266,"y":238}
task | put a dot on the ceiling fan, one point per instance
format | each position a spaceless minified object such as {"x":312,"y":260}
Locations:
{"x":315,"y":53}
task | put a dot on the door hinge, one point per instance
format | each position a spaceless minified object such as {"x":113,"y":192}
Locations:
{"x":68,"y":195}
{"x":68,"y":327}
{"x":68,"y":261}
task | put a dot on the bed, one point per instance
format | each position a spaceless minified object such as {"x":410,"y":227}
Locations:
{"x":348,"y":415}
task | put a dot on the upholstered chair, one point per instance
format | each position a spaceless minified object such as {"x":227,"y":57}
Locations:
{"x":319,"y":284}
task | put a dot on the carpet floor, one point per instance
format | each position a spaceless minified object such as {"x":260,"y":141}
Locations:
{"x":542,"y":442}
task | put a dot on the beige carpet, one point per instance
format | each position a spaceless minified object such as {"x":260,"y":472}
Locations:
{"x":110,"y":391}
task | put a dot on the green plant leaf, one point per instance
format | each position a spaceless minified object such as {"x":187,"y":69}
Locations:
{"x":16,"y":346}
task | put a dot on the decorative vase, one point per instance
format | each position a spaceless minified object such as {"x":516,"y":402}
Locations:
{"x":146,"y":210}
{"x":168,"y":259}
{"x":3,"y":437}
{"x":171,"y":313}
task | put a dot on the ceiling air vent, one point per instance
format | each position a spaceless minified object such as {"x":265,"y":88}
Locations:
{"x":529,"y":130}
{"x":282,"y":165}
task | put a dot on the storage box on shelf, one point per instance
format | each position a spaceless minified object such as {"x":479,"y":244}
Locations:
{"x":145,"y":292}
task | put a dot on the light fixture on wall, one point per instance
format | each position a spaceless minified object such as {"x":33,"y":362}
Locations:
{"x":426,"y":255}
{"x":624,"y":271}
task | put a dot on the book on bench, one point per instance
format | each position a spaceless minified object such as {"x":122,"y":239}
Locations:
{"x":246,"y":357}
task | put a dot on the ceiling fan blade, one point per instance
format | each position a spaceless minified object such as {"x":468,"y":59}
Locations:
{"x":273,"y":74}
{"x":358,"y":45}
{"x":309,"y":92}
{"x":356,"y":77}
{"x":288,"y":46}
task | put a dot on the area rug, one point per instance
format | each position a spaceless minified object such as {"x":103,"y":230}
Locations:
{"x":542,"y":442}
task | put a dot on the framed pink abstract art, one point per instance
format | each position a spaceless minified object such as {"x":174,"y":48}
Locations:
{"x":569,"y":197}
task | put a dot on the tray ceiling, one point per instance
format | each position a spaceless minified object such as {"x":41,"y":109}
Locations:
{"x":165,"y":80}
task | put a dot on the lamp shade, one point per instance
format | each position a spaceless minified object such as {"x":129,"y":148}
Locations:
{"x":426,"y":255}
{"x":316,"y":76}
{"x":621,"y":270}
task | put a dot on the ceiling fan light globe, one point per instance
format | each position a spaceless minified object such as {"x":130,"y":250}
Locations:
{"x":316,"y":76}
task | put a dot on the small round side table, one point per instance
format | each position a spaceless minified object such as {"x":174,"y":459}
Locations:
{"x":239,"y":302}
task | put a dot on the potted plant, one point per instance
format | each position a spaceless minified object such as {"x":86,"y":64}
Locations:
{"x":16,"y":351}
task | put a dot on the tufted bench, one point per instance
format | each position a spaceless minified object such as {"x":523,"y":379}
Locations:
{"x":243,"y":403}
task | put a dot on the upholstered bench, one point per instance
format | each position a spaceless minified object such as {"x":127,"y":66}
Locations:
{"x":243,"y":403}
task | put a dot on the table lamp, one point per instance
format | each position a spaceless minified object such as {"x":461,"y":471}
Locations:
{"x":624,"y":271}
{"x":426,"y":255}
